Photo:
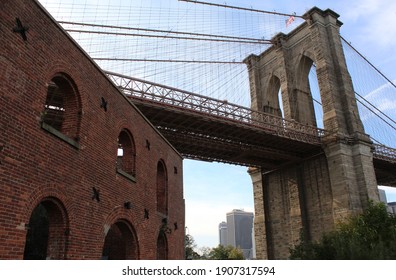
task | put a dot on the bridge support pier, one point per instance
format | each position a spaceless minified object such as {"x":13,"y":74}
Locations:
{"x":311,"y":196}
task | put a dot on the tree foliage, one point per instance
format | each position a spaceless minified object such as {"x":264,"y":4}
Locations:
{"x":225,"y":253}
{"x":368,"y":236}
{"x":190,"y":246}
{"x":218,"y":253}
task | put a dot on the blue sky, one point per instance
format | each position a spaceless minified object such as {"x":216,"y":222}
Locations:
{"x":213,"y":189}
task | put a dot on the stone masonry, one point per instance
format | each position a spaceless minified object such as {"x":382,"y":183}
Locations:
{"x":311,"y":196}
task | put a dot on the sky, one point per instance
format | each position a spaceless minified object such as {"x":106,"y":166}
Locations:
{"x":213,"y":189}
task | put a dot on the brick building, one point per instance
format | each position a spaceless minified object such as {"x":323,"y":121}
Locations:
{"x":83,"y":174}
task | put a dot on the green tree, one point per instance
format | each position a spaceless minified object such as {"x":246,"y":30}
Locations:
{"x":225,"y":253}
{"x":190,"y":247}
{"x":368,"y":236}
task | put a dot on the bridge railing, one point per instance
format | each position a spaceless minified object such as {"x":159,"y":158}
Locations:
{"x":152,"y":92}
{"x":384,"y":153}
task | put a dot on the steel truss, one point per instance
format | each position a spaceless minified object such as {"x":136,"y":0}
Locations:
{"x":224,"y":112}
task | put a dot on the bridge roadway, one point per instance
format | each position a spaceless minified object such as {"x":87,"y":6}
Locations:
{"x":208,"y":129}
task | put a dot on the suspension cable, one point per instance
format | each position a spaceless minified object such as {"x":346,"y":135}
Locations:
{"x":167,"y":60}
{"x":382,"y":113}
{"x":375,"y":68}
{"x":263,"y":41}
{"x":240,"y":8}
{"x":164,"y":37}
{"x":371,"y":110}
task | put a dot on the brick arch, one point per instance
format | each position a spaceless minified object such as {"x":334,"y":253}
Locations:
{"x":162,"y":187}
{"x":48,"y":230}
{"x":42,"y":192}
{"x":62,"y":106}
{"x":126,"y":144}
{"x":120,"y":239}
{"x":162,"y":246}
{"x":59,"y":66}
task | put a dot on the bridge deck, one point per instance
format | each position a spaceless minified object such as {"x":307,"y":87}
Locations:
{"x":208,"y":129}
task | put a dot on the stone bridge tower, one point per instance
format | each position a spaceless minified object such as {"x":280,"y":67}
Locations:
{"x":312,"y":195}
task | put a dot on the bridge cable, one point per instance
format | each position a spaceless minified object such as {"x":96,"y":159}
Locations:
{"x":256,"y":40}
{"x":379,"y":111}
{"x":167,"y":60}
{"x":376,"y":114}
{"x":375,"y":68}
{"x":241,"y":8}
{"x":165,"y":37}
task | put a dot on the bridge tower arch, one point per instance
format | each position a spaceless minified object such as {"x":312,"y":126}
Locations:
{"x":312,"y":195}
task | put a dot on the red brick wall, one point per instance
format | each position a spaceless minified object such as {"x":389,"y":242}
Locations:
{"x":36,"y":165}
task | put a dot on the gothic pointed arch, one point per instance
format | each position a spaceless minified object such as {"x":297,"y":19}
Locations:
{"x":305,"y":112}
{"x":272,"y":101}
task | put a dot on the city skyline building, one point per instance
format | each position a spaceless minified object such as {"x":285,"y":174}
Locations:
{"x":238,"y":231}
{"x":223,"y":239}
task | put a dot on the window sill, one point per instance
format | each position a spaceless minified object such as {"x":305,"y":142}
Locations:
{"x":126,"y":175}
{"x":60,"y":135}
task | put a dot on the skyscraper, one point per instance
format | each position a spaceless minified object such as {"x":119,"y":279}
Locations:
{"x":223,"y":240}
{"x":239,"y":231}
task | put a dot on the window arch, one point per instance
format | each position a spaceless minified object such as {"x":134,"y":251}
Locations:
{"x":273,"y":101}
{"x":121,"y":242}
{"x":62,"y":106}
{"x":126,"y":153}
{"x":46,"y":237}
{"x":306,"y":111}
{"x":162,"y":246}
{"x":162,"y":188}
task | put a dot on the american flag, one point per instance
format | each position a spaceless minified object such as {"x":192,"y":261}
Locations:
{"x":289,"y":21}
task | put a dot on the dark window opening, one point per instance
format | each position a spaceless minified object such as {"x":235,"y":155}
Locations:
{"x":46,"y":235}
{"x":37,"y":235}
{"x":162,"y":189}
{"x":120,"y":243}
{"x":162,"y":247}
{"x":61,"y":109}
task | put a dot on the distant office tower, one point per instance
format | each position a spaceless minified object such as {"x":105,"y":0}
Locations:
{"x":223,"y":234}
{"x":382,"y":196}
{"x":392,"y":207}
{"x":239,"y":231}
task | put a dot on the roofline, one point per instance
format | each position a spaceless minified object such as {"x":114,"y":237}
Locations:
{"x":103,"y":73}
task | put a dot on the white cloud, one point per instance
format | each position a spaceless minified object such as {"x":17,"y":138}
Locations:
{"x":374,"y":19}
{"x":381,"y":97}
{"x":362,"y":9}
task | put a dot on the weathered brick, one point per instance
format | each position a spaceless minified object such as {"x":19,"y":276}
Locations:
{"x":38,"y":166}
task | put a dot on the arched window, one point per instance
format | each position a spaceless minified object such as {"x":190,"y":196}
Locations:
{"x":273,"y":101}
{"x":306,"y":86}
{"x":62,"y":107}
{"x":126,"y":153}
{"x":47,"y":228}
{"x":162,"y":246}
{"x":162,"y":188}
{"x":120,"y":243}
